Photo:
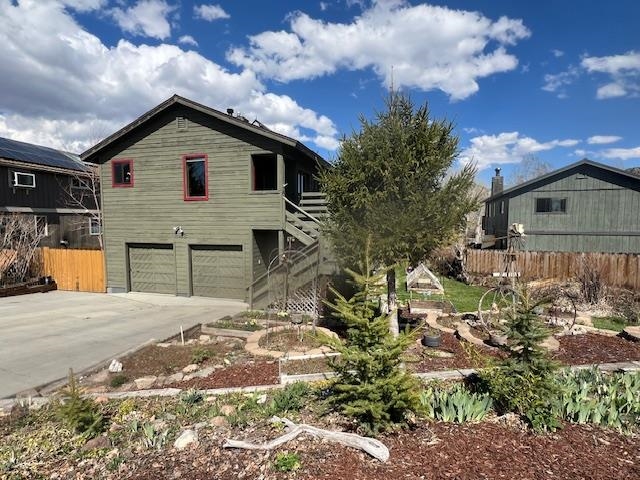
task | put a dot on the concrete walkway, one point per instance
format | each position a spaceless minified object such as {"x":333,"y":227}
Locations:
{"x":42,"y":335}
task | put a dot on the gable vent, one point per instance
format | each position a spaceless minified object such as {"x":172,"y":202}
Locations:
{"x":182,"y":123}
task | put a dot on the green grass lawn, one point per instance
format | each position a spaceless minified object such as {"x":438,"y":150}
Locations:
{"x":465,"y":298}
{"x":616,"y":324}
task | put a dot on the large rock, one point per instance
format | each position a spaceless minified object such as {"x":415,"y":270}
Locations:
{"x":185,"y":439}
{"x":144,"y":383}
{"x":219,"y":421}
{"x":205,"y":372}
{"x":175,"y":378}
{"x":204,"y":339}
{"x":190,"y":368}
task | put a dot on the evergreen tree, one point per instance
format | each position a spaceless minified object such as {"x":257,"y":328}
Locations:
{"x":371,"y":386}
{"x":392,"y":183}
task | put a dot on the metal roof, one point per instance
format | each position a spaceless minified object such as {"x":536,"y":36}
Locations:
{"x":37,"y":155}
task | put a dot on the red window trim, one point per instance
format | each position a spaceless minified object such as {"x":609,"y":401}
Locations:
{"x":185,"y":191}
{"x":115,"y":162}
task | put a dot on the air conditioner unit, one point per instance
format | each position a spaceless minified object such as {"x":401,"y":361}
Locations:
{"x":27,"y":180}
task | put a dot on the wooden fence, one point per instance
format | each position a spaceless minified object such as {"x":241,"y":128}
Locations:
{"x":618,"y":270}
{"x":76,"y":270}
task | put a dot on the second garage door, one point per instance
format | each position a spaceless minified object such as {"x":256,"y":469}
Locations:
{"x":218,"y":271}
{"x":152,"y":268}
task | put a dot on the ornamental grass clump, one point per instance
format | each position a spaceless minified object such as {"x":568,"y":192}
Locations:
{"x":456,"y":404}
{"x":591,"y":396}
{"x":371,"y":385}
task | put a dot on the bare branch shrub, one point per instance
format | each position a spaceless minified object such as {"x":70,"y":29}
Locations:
{"x":592,"y":287}
{"x":83,"y":193}
{"x":19,"y":240}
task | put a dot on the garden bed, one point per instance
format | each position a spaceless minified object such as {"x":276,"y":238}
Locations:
{"x":595,"y":348}
{"x":419,"y":359}
{"x":290,"y":340}
{"x":241,"y":375}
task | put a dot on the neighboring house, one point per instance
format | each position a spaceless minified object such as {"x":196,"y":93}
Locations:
{"x":46,"y":184}
{"x":199,"y":202}
{"x":584,"y":207}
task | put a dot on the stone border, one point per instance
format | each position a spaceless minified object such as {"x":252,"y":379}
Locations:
{"x":252,"y":346}
{"x":226,"y":332}
{"x":37,"y":402}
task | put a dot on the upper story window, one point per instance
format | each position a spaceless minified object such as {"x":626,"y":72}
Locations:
{"x":551,"y":205}
{"x":195,"y":177}
{"x":22,"y":179}
{"x":264,"y":169}
{"x":122,"y":173}
{"x":502,"y":207}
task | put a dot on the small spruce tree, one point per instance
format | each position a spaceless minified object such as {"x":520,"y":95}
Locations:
{"x":525,"y":383}
{"x":371,"y":385}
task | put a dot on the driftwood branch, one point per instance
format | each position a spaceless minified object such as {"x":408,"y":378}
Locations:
{"x":371,"y":446}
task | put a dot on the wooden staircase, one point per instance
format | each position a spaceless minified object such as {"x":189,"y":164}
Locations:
{"x":304,"y":223}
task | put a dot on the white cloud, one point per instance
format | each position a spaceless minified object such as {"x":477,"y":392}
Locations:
{"x":188,"y":40}
{"x":611,"y":90}
{"x":557,"y":53}
{"x":621,"y":153}
{"x":506,"y":147}
{"x":210,"y":12}
{"x":85,"y":5}
{"x":580,"y":153}
{"x":67,"y":89}
{"x":555,"y":83}
{"x":324,"y":6}
{"x":602,"y":139}
{"x":427,"y":47}
{"x":623,"y":72}
{"x":146,"y":18}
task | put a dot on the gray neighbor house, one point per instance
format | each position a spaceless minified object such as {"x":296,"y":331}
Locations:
{"x":584,"y":207}
{"x":200,"y":202}
{"x":49,"y":186}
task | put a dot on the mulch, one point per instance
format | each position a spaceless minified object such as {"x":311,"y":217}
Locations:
{"x":449,"y":344}
{"x":241,"y":375}
{"x":430,"y":451}
{"x":595,"y":348}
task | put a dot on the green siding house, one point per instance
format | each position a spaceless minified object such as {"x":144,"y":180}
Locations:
{"x":199,"y":202}
{"x":584,"y":207}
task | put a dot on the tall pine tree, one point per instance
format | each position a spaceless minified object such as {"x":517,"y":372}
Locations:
{"x":393,"y":183}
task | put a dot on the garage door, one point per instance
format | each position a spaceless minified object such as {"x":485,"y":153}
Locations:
{"x":152,"y":268}
{"x":218,"y":271}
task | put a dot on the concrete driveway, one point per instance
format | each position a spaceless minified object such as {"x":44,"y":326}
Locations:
{"x":42,"y":335}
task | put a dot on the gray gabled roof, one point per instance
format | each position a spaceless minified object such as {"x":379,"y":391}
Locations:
{"x":177,"y":99}
{"x":37,"y":155}
{"x":542,"y":178}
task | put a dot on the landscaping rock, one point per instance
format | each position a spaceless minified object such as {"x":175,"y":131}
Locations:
{"x":632,"y":333}
{"x":190,"y":368}
{"x":261,"y":399}
{"x":176,"y":377}
{"x":144,"y":383}
{"x":205,"y":372}
{"x":115,"y":366}
{"x":163,"y":345}
{"x":227,"y":410}
{"x":204,"y":339}
{"x":185,"y":439}
{"x":96,"y":443}
{"x":101,"y":399}
{"x":219,"y":421}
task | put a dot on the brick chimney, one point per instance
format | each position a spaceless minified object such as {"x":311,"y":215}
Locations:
{"x":497,"y":183}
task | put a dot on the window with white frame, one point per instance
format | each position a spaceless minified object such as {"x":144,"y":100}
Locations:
{"x":23,"y":179}
{"x":41,"y":225}
{"x":95,"y":228}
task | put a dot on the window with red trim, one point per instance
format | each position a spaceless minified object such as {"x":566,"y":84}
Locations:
{"x":122,"y":173}
{"x":195,"y":177}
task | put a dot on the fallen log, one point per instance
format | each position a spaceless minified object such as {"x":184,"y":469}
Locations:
{"x":373,"y":447}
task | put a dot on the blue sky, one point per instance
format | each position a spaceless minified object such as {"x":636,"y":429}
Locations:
{"x":556,"y":79}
